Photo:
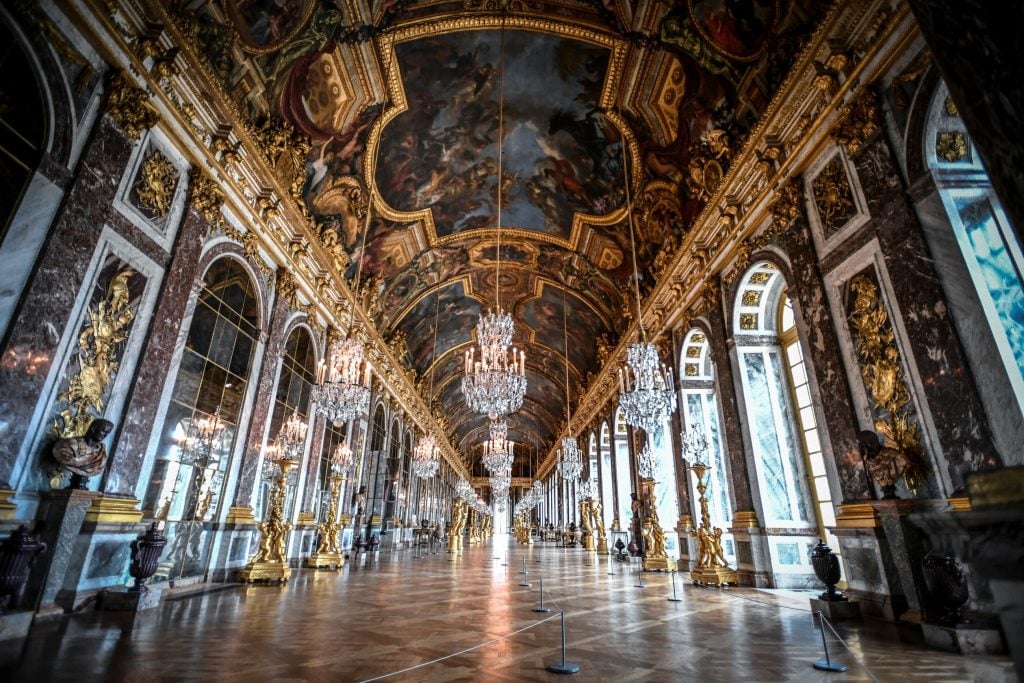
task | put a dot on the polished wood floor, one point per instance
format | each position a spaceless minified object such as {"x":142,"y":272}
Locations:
{"x":380,"y":616}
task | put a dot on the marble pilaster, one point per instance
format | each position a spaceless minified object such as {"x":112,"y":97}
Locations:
{"x":818,"y":327}
{"x":316,"y":447}
{"x":959,"y":420}
{"x":264,"y":403}
{"x":129,"y":452}
{"x":721,"y":344}
{"x":63,"y":513}
{"x":33,"y":337}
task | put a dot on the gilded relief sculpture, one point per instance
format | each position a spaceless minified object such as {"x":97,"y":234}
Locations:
{"x":79,"y":451}
{"x":898,"y":455}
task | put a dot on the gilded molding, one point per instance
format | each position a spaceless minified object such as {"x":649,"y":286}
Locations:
{"x":858,"y":122}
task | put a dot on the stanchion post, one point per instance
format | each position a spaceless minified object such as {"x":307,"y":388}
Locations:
{"x":541,"y":607}
{"x":639,"y":576}
{"x":826,"y":664}
{"x":563,"y":667}
{"x":674,"y":598}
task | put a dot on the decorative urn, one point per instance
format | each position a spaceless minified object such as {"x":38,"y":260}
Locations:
{"x":16,"y":556}
{"x":146,"y":550}
{"x":827,"y":569}
{"x":946,"y":582}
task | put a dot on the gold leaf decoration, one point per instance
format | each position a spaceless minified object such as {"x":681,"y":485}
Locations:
{"x":129,"y":105}
{"x":156,"y":187}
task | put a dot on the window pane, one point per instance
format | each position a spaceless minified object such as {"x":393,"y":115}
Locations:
{"x":813,"y":443}
{"x":803,"y":396}
{"x":807,"y":417}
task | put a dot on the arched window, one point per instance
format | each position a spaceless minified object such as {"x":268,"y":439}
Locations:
{"x":780,"y":418}
{"x":700,"y":413}
{"x":623,"y":474}
{"x":201,"y":424}
{"x":607,"y":486}
{"x":991,"y":253}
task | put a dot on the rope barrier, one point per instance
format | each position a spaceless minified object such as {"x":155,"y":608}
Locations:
{"x":462,"y":652}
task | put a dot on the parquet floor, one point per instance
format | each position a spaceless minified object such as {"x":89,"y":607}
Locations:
{"x":377,"y":617}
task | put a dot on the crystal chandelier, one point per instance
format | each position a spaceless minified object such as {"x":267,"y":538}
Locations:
{"x":695,"y":445}
{"x":495,"y":383}
{"x":342,"y":390}
{"x":426,"y":457}
{"x":341,"y":459}
{"x":205,"y":436}
{"x":647,"y":462}
{"x":570,"y":459}
{"x":500,"y":484}
{"x":463,"y":489}
{"x":645,"y":388}
{"x":585,"y":489}
{"x":498,"y":450}
{"x":291,"y":440}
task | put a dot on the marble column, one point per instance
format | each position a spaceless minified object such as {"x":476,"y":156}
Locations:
{"x":958,"y":418}
{"x":129,"y":452}
{"x":34,"y":335}
{"x":982,"y":62}
{"x":825,"y":361}
{"x":264,"y":403}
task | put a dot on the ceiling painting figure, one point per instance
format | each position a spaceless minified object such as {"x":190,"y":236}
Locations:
{"x":561,"y":154}
{"x":457,"y":315}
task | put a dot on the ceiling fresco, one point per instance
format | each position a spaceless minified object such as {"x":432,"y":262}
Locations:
{"x":399,"y":102}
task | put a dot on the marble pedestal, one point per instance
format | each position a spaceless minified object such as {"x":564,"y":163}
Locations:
{"x":63,"y":513}
{"x":124,"y":600}
{"x":836,"y":610}
{"x":659,"y":564}
{"x":965,"y":641}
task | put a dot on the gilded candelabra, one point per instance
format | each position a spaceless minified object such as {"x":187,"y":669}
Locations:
{"x":711,"y":567}
{"x":328,"y":553}
{"x":271,"y":560}
{"x":655,"y":551}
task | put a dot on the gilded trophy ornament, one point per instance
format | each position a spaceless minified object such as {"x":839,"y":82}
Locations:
{"x":156,"y":189}
{"x":833,"y":196}
{"x":99,"y":344}
{"x":882,"y":373}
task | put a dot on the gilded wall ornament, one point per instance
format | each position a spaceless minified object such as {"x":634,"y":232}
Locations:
{"x":708,"y":164}
{"x":833,"y":196}
{"x":858,"y":122}
{"x":707,"y":298}
{"x":785,"y":209}
{"x":951,"y":146}
{"x":156,"y":187}
{"x":129,"y":105}
{"x":287,"y":288}
{"x":882,"y":373}
{"x":99,"y":346}
{"x":285,"y":149}
{"x":207,"y":198}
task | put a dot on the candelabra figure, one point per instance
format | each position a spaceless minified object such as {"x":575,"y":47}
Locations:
{"x":655,"y":551}
{"x":271,"y":560}
{"x":711,"y":567}
{"x":328,"y":552}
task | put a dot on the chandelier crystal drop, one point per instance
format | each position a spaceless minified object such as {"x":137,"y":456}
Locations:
{"x":203,"y":440}
{"x":426,"y":457}
{"x":570,"y":459}
{"x":291,"y":440}
{"x":646,"y":389}
{"x":341,"y":459}
{"x":342,"y":390}
{"x":498,"y":450}
{"x":495,"y":382}
{"x":647,"y":462}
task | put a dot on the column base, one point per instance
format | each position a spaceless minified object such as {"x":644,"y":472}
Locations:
{"x":714,"y":576}
{"x":966,"y":639}
{"x":265,"y":571}
{"x":659,"y":564}
{"x":325,"y":561}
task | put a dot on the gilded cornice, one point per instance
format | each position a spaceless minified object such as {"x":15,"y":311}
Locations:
{"x":194,"y":113}
{"x":802,"y":116}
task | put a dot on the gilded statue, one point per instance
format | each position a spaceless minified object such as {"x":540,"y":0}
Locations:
{"x":595,"y":511}
{"x":459,"y":514}
{"x":107,"y":328}
{"x":329,"y":528}
{"x":81,"y":456}
{"x":654,"y":537}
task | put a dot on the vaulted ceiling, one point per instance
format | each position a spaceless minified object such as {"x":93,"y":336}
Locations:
{"x":400,"y":101}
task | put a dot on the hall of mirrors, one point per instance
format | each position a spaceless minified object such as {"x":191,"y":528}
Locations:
{"x":308,"y":302}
